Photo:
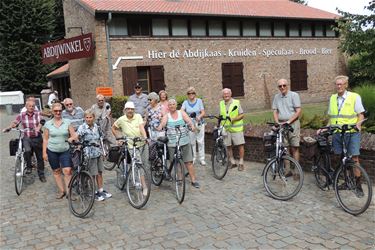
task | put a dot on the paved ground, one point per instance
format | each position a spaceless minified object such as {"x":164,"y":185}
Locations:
{"x":234,"y":213}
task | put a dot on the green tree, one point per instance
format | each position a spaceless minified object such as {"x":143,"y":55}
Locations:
{"x":24,"y":26}
{"x":357,"y":35}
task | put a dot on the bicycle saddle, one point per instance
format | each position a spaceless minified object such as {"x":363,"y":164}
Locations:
{"x":163,"y":139}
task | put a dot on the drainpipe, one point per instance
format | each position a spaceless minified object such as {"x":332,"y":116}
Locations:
{"x":110,"y":73}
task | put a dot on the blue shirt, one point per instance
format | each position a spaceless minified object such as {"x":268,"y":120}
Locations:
{"x":90,"y":135}
{"x":190,"y":108}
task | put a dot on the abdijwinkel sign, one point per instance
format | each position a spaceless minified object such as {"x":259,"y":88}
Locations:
{"x":67,"y":49}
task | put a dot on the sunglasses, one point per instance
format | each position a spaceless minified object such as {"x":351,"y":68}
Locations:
{"x":138,"y":87}
{"x":69,"y":104}
{"x":149,"y":100}
{"x":282,"y":86}
{"x":191,"y":93}
{"x":57,"y":111}
{"x":100,"y":100}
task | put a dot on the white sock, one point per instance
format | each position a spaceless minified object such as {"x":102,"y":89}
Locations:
{"x":241,"y":162}
{"x":100,"y":190}
{"x":232,"y":160}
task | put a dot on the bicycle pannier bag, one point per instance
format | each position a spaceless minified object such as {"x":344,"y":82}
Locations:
{"x":269,"y":140}
{"x":114,"y":154}
{"x":13,"y":146}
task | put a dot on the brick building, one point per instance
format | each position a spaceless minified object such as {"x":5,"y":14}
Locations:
{"x":245,"y":45}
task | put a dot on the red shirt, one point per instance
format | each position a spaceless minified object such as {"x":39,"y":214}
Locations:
{"x":30,"y":121}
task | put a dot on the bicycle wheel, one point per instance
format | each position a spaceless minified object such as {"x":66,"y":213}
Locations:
{"x":138,"y":186}
{"x":18,"y":174}
{"x":121,"y":176}
{"x":321,"y":162}
{"x":276,"y":180}
{"x":157,"y":172}
{"x":219,"y":161}
{"x":81,"y":194}
{"x":354,"y":195}
{"x":179,"y":179}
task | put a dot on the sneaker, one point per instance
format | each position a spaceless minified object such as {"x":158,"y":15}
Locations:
{"x":231,"y":165}
{"x":144,"y":192}
{"x":203,"y":163}
{"x":241,"y":167}
{"x":195,"y":184}
{"x":105,"y":194}
{"x":359,"y":189}
{"x":28,"y":170}
{"x":99,"y":197}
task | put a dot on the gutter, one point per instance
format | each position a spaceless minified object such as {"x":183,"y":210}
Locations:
{"x":109,"y":54}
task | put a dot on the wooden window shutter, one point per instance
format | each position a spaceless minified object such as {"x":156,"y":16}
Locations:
{"x":298,"y":75}
{"x":157,"y":78}
{"x":232,"y":74}
{"x":129,"y":79}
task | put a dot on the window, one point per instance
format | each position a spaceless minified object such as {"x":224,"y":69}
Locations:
{"x":329,"y":31}
{"x":279,"y":29}
{"x":264,"y":29}
{"x":233,"y":28}
{"x":139,"y":27}
{"x":306,"y":30}
{"x":179,"y":27}
{"x":249,"y":28}
{"x":150,"y":77}
{"x":118,"y":27}
{"x":294,"y":29}
{"x":298,"y":75}
{"x":198,"y":28}
{"x":160,"y":27}
{"x":215,"y":28}
{"x":232,"y":74}
{"x":319,"y":30}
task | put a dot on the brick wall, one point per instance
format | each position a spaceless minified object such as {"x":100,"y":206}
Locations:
{"x":260,"y":72}
{"x":254,"y":150}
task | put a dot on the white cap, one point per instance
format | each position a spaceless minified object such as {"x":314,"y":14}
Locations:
{"x":129,"y":105}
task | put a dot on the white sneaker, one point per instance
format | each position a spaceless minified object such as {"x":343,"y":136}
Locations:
{"x":203,"y":163}
{"x":105,"y":194}
{"x":145,"y":190}
{"x":99,"y":197}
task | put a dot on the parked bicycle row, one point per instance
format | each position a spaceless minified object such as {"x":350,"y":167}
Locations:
{"x":152,"y":132}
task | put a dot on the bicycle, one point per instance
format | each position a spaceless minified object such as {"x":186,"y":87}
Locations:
{"x":160,"y":170}
{"x":134,"y":177}
{"x":20,"y":165}
{"x":282,"y":185}
{"x":353,"y":192}
{"x":81,"y":187}
{"x":219,"y":157}
{"x":104,"y":146}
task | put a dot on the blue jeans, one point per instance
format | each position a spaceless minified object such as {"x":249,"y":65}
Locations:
{"x":352,"y":143}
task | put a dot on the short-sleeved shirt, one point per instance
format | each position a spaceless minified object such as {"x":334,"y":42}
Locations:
{"x":140,"y":103}
{"x":190,"y":108}
{"x":76,"y":117}
{"x":286,"y":104}
{"x":58,"y":136}
{"x":130,"y":127}
{"x":29,"y":121}
{"x":101,"y":112}
{"x":90,"y":135}
{"x":358,"y":106}
{"x":154,"y":116}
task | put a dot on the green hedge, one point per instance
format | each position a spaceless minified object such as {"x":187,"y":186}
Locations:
{"x":367,"y":93}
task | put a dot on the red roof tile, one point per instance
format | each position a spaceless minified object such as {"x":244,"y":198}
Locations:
{"x":241,"y":8}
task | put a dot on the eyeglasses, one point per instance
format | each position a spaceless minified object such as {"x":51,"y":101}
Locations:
{"x":57,"y":111}
{"x":100,"y":100}
{"x":282,"y":86}
{"x":138,"y":87}
{"x":68,"y":104}
{"x":149,"y":100}
{"x":192,"y":93}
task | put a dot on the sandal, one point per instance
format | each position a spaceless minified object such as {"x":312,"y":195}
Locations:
{"x":60,"y":195}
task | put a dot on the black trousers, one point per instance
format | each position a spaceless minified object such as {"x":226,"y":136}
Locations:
{"x":35,"y":145}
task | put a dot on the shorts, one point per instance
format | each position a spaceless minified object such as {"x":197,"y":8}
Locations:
{"x":352,"y":142}
{"x":293,"y":138}
{"x":186,"y":150}
{"x":59,"y":159}
{"x":234,"y":139}
{"x":96,"y":166}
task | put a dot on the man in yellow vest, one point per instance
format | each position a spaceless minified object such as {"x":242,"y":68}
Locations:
{"x":346,"y":107}
{"x":231,"y":108}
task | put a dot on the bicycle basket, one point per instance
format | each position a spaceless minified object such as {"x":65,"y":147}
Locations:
{"x":13,"y":146}
{"x":269,"y":140}
{"x":323,"y":143}
{"x":114,"y":154}
{"x":310,"y":147}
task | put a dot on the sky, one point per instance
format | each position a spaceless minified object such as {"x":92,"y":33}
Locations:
{"x":352,"y":6}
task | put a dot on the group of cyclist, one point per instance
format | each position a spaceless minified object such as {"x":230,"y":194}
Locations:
{"x":148,"y":116}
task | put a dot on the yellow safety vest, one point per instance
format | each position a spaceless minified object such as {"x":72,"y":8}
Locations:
{"x":345,"y":113}
{"x":236,"y":126}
